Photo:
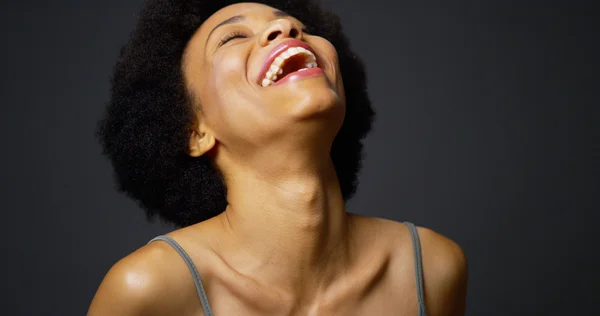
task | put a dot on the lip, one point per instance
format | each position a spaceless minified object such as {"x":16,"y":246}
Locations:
{"x":278,"y":50}
{"x":300,"y":74}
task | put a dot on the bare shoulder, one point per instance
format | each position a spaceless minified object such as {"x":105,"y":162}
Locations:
{"x":143,"y":283}
{"x":444,"y":263}
{"x":444,"y":273}
{"x":444,"y":256}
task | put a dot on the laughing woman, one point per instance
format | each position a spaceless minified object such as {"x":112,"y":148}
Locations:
{"x":242,"y":124}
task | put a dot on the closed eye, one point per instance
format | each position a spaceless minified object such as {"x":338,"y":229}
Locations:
{"x":231,"y":36}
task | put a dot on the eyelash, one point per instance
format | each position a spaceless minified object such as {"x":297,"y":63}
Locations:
{"x":231,"y":36}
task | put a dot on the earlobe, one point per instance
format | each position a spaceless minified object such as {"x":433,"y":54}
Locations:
{"x":200,"y":143}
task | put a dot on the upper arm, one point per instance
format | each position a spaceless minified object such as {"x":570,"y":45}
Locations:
{"x":444,"y":274}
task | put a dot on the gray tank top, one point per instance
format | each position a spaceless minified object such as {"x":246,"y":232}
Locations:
{"x":204,"y":300}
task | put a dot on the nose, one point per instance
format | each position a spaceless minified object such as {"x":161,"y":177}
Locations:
{"x":279,"y":29}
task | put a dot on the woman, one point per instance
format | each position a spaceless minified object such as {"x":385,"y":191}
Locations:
{"x":232,"y":121}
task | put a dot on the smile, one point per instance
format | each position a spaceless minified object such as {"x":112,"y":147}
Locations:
{"x":291,"y":59}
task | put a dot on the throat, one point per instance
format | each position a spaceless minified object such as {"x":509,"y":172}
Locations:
{"x":293,"y":231}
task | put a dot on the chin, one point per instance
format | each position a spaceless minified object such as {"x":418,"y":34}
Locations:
{"x":314,"y":101}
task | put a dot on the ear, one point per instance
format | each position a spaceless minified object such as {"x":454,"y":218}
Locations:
{"x":201,"y":141}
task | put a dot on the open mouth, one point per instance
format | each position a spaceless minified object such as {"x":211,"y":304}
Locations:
{"x":288,"y":61}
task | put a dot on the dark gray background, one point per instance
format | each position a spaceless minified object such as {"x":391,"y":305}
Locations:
{"x":485,"y":133}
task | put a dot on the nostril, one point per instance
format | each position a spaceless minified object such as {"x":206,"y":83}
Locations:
{"x":273,"y":35}
{"x":293,"y":33}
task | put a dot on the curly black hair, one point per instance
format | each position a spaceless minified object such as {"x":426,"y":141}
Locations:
{"x":148,"y":120}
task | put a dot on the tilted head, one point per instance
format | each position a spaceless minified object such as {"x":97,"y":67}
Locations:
{"x":204,"y":86}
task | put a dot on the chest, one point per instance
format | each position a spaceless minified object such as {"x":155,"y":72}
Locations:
{"x":384,"y":295}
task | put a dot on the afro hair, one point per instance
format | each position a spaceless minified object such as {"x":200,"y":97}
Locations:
{"x":147,"y":122}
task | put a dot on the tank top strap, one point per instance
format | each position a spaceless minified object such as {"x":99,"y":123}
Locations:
{"x":193,"y":270}
{"x":414,"y":234}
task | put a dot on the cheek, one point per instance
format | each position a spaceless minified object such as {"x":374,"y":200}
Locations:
{"x":232,"y":101}
{"x":228,"y":70}
{"x":333,"y":65}
{"x":226,"y":73}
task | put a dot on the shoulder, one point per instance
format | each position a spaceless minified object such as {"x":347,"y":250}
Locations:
{"x":140,"y":283}
{"x":444,"y":273}
{"x":444,"y":264}
{"x":443,"y":259}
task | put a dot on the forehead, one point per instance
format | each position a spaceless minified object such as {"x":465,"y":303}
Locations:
{"x":247,"y":9}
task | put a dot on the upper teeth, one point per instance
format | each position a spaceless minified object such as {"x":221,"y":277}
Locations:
{"x":276,"y":67}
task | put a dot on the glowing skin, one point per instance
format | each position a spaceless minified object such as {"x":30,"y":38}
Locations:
{"x":284,"y":245}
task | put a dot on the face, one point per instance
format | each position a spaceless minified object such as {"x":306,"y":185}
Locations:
{"x":244,"y":68}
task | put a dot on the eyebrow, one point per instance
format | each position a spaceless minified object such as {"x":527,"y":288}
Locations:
{"x":233,"y":19}
{"x":239,"y":18}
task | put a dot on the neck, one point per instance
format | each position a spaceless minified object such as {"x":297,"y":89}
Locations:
{"x":289,"y":223}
